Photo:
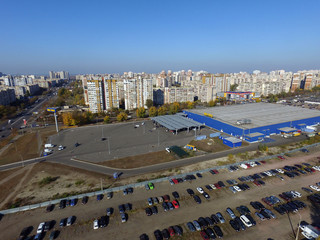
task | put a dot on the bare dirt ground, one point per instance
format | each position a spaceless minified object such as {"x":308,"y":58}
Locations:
{"x":26,"y":147}
{"x":138,"y":222}
{"x":140,"y":160}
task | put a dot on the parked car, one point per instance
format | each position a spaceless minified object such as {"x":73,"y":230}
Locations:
{"x":95,"y":224}
{"x":85,"y":200}
{"x":231,"y":213}
{"x":197,"y":199}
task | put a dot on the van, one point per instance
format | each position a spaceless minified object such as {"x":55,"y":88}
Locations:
{"x":48,"y":145}
{"x":245,"y":221}
{"x":231,"y":213}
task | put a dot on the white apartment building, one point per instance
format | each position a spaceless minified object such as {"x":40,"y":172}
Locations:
{"x":96,"y":95}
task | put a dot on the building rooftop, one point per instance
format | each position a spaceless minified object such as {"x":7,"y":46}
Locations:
{"x":260,"y":114}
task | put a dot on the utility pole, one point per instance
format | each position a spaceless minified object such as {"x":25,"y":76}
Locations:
{"x":158,"y":139}
{"x":101,"y":184}
{"x":109,"y":145}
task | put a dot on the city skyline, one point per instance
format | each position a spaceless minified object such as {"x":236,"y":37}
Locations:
{"x":115,"y":37}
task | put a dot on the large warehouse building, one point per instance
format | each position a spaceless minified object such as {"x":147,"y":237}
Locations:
{"x":252,"y":122}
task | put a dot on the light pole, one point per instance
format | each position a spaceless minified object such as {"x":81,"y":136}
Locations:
{"x":158,"y":139}
{"x":297,"y":237}
{"x":109,"y":145}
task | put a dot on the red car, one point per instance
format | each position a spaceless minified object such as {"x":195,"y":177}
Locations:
{"x":284,"y":197}
{"x":281,"y":157}
{"x":171,"y":231}
{"x":204,"y":235}
{"x":166,"y":198}
{"x":217,"y":185}
{"x":256,"y":183}
{"x":264,"y":162}
{"x":175,"y":204}
{"x":175,"y":181}
{"x":248,"y":165}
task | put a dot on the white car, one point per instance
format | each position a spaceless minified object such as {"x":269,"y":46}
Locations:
{"x":316,"y":168}
{"x":243,"y":166}
{"x":314,"y":187}
{"x":237,"y":188}
{"x":212,"y":186}
{"x":60,"y":147}
{"x":200,"y":190}
{"x":297,"y":194}
{"x":279,"y":170}
{"x":268,"y":173}
{"x":245,"y":221}
{"x":40,"y":228}
{"x":95,"y":224}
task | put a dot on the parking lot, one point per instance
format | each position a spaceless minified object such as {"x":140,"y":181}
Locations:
{"x":138,"y":222}
{"x":105,"y":142}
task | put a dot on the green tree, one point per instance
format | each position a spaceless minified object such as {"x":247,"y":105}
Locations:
{"x":153,"y":111}
{"x":162,"y":110}
{"x":174,"y":108}
{"x":122,"y":117}
{"x":141,"y":112}
{"x":106,"y":119}
{"x":212,"y":103}
{"x":233,"y":87}
{"x":190,"y":105}
{"x":149,"y":103}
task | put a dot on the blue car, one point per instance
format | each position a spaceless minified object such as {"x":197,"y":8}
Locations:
{"x":73,"y":202}
{"x":99,"y":197}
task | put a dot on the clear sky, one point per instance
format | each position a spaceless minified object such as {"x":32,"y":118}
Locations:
{"x":152,"y":35}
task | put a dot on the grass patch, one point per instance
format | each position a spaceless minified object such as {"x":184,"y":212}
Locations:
{"x":47,"y":180}
{"x":79,"y":182}
{"x":140,"y":160}
{"x":210,"y":145}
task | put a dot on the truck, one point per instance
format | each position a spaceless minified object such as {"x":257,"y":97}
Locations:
{"x":48,"y":145}
{"x":310,"y":232}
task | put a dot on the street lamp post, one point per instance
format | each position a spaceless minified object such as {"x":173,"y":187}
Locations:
{"x":297,"y":236}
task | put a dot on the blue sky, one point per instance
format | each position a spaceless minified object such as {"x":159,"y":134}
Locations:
{"x":151,"y":35}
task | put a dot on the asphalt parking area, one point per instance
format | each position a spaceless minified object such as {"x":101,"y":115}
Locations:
{"x":139,"y":223}
{"x":120,"y":140}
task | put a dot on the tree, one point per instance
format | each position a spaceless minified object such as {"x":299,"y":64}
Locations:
{"x":212,"y":103}
{"x":122,"y":117}
{"x":190,"y":105}
{"x":149,"y":103}
{"x":153,"y":111}
{"x":67,"y":119}
{"x":162,"y":110}
{"x":174,"y":108}
{"x":233,"y":87}
{"x":106,"y":119}
{"x":141,"y":112}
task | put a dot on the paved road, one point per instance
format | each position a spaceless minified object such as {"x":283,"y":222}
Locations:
{"x":68,"y":158}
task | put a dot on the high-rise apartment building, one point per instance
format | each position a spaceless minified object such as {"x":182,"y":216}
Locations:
{"x":111,"y":93}
{"x":96,"y":97}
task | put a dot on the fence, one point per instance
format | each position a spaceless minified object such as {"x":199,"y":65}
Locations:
{"x":142,"y":184}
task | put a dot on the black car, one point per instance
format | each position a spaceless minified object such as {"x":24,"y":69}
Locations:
{"x":221,"y":184}
{"x":144,"y":237}
{"x":154,"y":210}
{"x":165,"y":206}
{"x":251,"y":219}
{"x":63,"y":222}
{"x":178,"y":230}
{"x":240,"y":210}
{"x":215,"y":219}
{"x":109,"y":211}
{"x":26,"y":231}
{"x":130,"y":190}
{"x":47,"y":226}
{"x":148,"y":212}
{"x":210,"y":233}
{"x":197,"y":199}
{"x":245,"y":209}
{"x":175,"y":195}
{"x":209,"y":221}
{"x":190,"y":191}
{"x":62,"y":204}
{"x":265,"y":214}
{"x":279,"y":210}
{"x":242,"y":226}
{"x":202,"y":222}
{"x":235,"y":225}
{"x":208,"y":187}
{"x":158,"y":235}
{"x":121,"y":208}
{"x":128,"y":206}
{"x":54,"y":234}
{"x":85,"y":200}
{"x":218,"y":231}
{"x":76,"y":144}
{"x":103,"y":221}
{"x":50,"y":207}
{"x":165,"y":234}
{"x":206,"y":195}
{"x":199,"y":175}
